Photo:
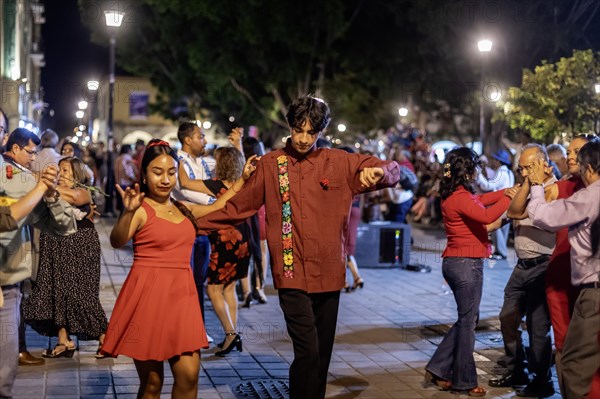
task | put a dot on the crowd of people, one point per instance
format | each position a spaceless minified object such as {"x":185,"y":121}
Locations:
{"x":200,"y":221}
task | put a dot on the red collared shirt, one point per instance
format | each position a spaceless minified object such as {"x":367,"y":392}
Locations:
{"x":319,"y":215}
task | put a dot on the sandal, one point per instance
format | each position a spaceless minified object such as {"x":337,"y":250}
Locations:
{"x":68,"y":349}
{"x":477,"y":392}
{"x":99,"y":354}
{"x":442,"y":384}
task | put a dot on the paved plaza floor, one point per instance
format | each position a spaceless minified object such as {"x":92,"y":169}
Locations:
{"x":386,"y":333}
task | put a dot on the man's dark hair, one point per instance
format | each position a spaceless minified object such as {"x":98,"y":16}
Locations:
{"x":186,"y":129}
{"x":49,"y":139}
{"x":313,"y":109}
{"x":139,"y":142}
{"x":125,"y":149}
{"x":252,"y":146}
{"x":21,"y":137}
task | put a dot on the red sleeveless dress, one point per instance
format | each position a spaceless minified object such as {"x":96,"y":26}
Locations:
{"x":157,"y":313}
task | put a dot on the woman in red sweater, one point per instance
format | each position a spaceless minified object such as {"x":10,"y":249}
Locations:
{"x":466,"y":217}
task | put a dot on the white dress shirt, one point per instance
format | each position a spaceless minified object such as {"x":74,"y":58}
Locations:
{"x":200,"y":168}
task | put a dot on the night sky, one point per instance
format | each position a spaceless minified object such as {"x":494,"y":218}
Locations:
{"x":71,"y":60}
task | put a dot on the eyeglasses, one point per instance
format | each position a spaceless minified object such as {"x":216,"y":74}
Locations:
{"x":31,"y":153}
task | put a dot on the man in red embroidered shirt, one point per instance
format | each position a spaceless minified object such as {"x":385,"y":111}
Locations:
{"x":312,"y":188}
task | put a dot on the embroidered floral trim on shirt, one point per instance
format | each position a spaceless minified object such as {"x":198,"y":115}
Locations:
{"x":286,"y":216}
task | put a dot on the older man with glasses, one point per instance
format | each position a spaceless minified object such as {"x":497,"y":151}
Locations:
{"x":18,"y":255}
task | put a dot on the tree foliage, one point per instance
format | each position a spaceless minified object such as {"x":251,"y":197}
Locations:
{"x":556,"y":99}
{"x":249,"y":59}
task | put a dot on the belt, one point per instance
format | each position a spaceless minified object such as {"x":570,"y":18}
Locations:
{"x":527,"y":263}
{"x":595,"y":284}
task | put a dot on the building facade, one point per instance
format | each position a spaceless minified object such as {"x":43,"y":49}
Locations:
{"x":21,"y":62}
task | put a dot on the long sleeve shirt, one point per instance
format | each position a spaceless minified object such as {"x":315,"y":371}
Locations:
{"x":319,"y":214}
{"x":17,"y":252}
{"x":465,"y":218}
{"x":200,"y":168}
{"x":578,"y":213}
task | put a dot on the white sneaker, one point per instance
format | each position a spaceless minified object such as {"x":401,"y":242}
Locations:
{"x":209,"y":338}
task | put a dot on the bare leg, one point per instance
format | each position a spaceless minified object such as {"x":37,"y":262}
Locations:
{"x":245,"y":282}
{"x":353,"y":268}
{"x":232,"y":304}
{"x":185,"y":368}
{"x":215,"y":293}
{"x":152,"y":376}
{"x":264,"y":248}
{"x":63,"y":337}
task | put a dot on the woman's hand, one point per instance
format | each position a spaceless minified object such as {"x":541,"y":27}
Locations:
{"x":132,"y":197}
{"x":511,"y":191}
{"x":250,"y":167}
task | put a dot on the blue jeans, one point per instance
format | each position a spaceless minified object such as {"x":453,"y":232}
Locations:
{"x":9,"y":338}
{"x":453,"y":360}
{"x":200,"y":259}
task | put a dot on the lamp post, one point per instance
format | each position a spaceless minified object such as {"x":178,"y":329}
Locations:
{"x":484,"y":46}
{"x":92,"y":87}
{"x":113,"y":22}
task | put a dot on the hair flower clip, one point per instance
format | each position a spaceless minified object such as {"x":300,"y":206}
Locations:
{"x":324,"y":183}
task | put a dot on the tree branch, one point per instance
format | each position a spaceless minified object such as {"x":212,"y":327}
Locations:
{"x":249,"y":97}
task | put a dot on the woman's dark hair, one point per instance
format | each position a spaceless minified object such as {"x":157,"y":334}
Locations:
{"x":313,"y":109}
{"x":252,"y":146}
{"x":154,"y":149}
{"x":458,"y":169}
{"x":589,"y":154}
{"x":76,"y":148}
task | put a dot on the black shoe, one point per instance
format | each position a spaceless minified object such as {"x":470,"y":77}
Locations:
{"x":236,"y":343}
{"x":247,"y":301}
{"x":509,"y":380}
{"x":497,"y":256}
{"x":536,"y":390}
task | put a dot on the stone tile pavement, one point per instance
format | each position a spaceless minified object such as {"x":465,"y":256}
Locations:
{"x":386,"y":334}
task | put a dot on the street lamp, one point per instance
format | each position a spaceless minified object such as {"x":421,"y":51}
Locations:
{"x":82,"y":104}
{"x":79,"y":114}
{"x":92,"y":86}
{"x":485,"y":47}
{"x":402,"y":111}
{"x":113,"y":22}
{"x":341,"y":127}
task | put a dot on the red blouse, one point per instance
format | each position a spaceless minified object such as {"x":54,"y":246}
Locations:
{"x":465,"y":219}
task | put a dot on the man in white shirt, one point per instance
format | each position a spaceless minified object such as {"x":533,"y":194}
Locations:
{"x":47,"y":154}
{"x":503,"y":178}
{"x":197,"y":166}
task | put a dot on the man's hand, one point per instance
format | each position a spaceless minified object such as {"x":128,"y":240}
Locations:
{"x":537,"y":172}
{"x":49,"y":178}
{"x":370,"y":176}
{"x":235,"y":137}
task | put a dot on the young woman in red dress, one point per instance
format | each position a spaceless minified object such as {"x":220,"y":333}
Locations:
{"x":157,"y":314}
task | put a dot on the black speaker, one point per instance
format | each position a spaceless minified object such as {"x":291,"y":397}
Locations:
{"x":383,"y":244}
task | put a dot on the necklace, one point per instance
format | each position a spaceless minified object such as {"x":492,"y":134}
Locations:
{"x":169,"y":209}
